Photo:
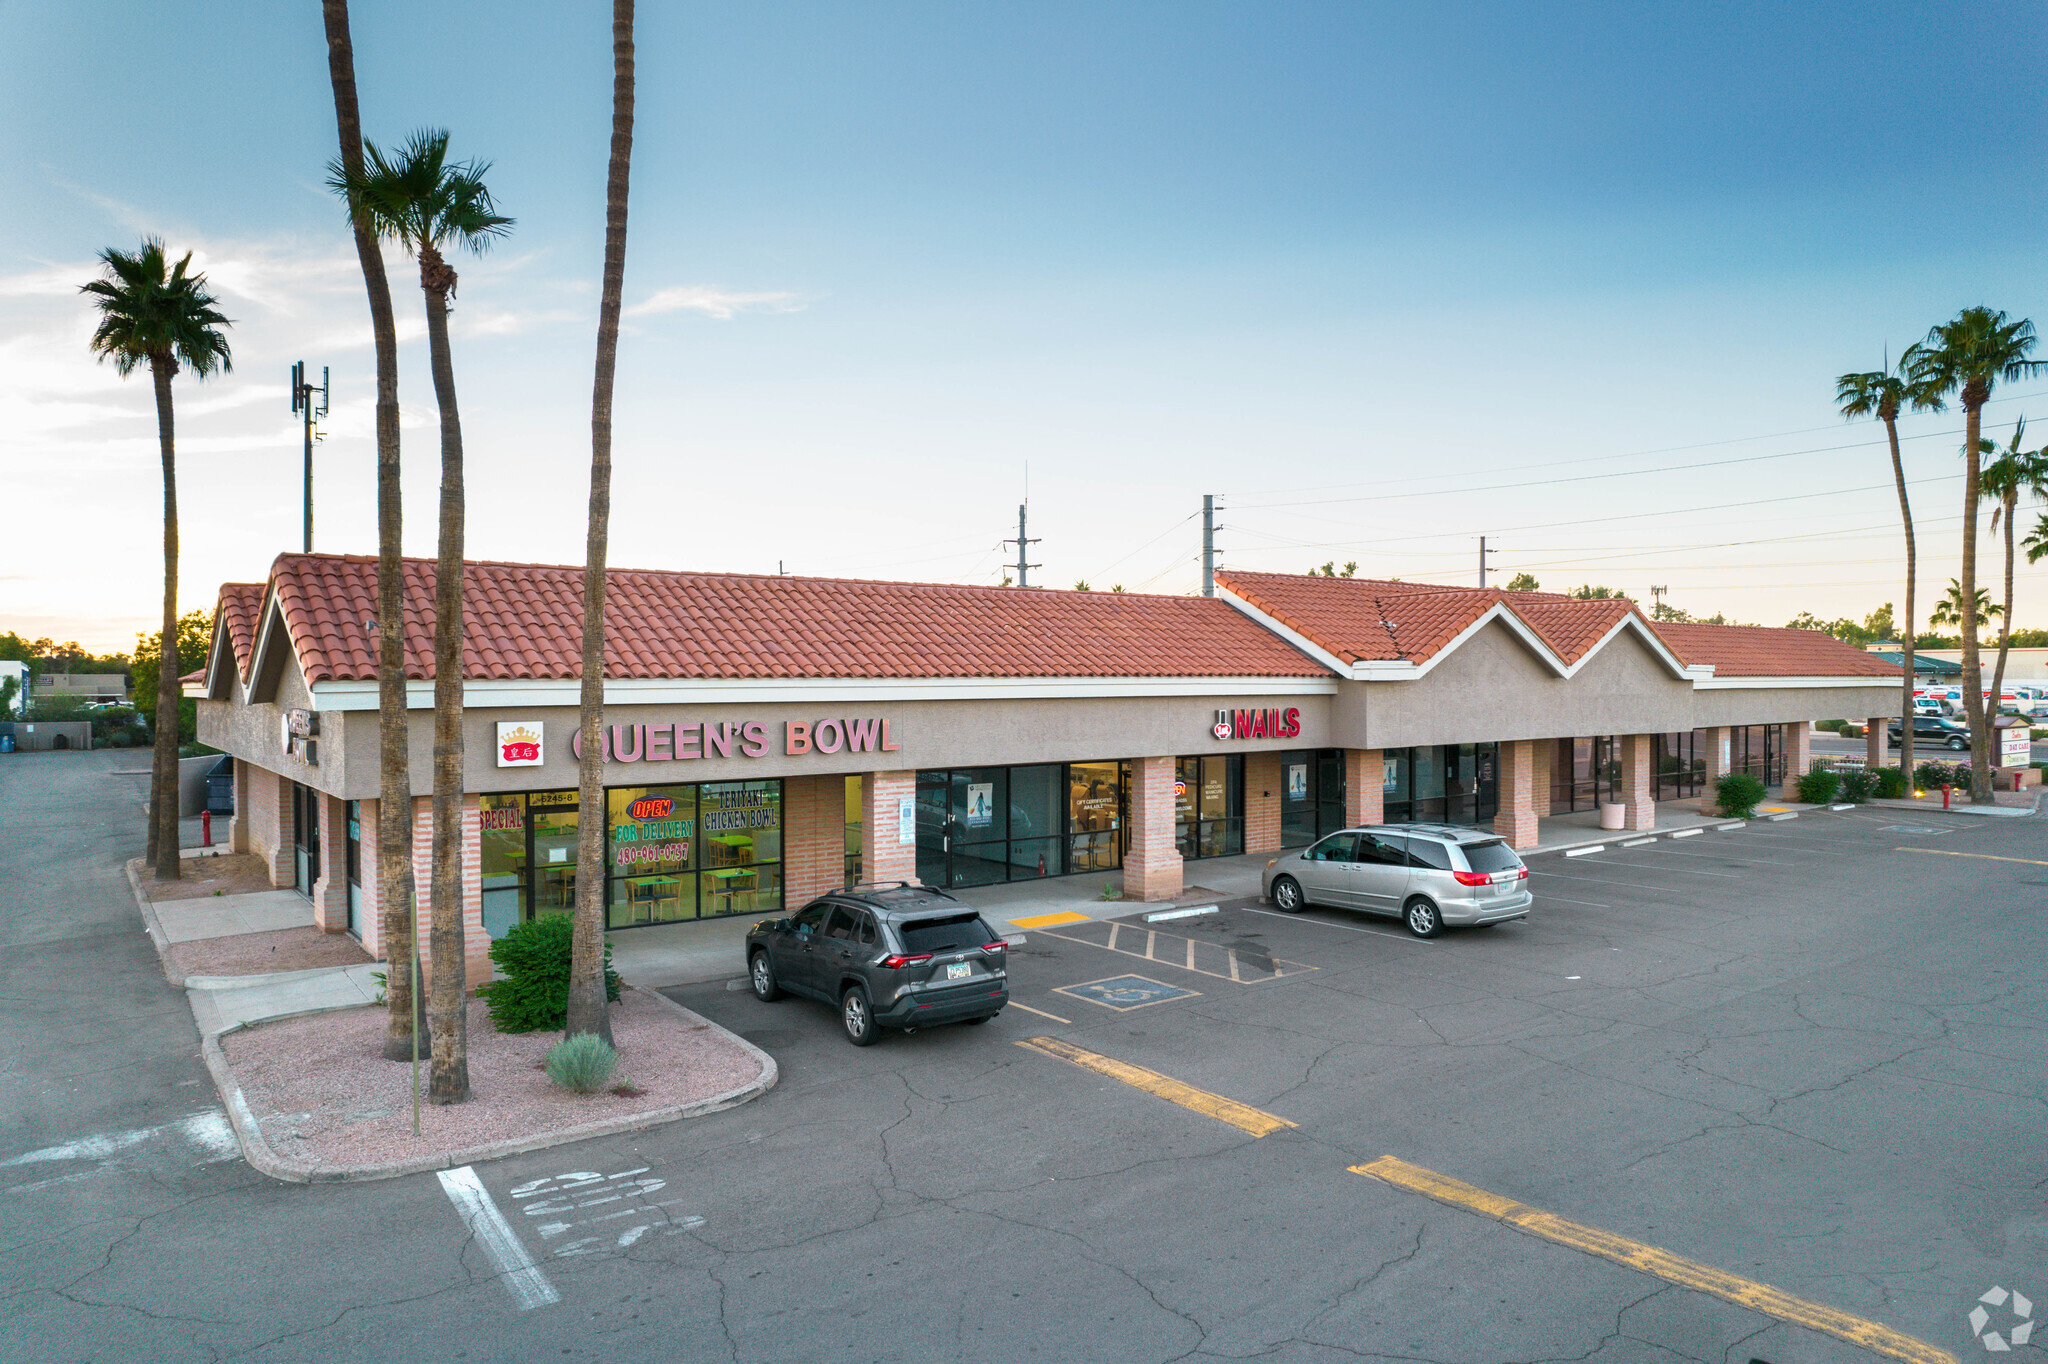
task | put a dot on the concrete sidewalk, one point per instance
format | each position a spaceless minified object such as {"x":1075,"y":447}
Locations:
{"x":222,"y":916}
{"x":222,"y":1002}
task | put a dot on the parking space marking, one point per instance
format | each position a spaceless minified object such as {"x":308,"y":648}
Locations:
{"x":1041,"y":1013}
{"x":1600,"y":881}
{"x":580,"y":1189}
{"x":1726,"y":857}
{"x":1984,"y":857}
{"x":1125,"y":993}
{"x":1683,"y":871}
{"x":1347,"y":928}
{"x":1242,"y":1116}
{"x":1570,"y":901}
{"x":1183,"y":954}
{"x":522,"y":1278}
{"x":1661,"y":1264}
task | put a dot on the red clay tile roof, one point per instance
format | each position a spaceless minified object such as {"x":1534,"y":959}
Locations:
{"x":524,"y":621}
{"x":1764,"y":651}
{"x":240,"y":604}
{"x":1368,"y":619}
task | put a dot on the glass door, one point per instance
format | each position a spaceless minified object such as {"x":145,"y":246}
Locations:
{"x":1095,"y":816}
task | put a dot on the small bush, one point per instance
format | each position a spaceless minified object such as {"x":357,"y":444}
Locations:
{"x":1850,"y":731}
{"x":1819,"y":785}
{"x":535,"y":959}
{"x":1891,"y":784}
{"x":582,"y":1064}
{"x":1858,"y":784}
{"x":1932,"y":776}
{"x":1830,"y":726}
{"x":1738,"y":795}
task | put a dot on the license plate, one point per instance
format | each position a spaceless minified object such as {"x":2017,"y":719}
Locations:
{"x":959,"y":970}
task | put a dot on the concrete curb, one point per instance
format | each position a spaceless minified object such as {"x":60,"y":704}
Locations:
{"x":270,"y":977}
{"x":256,"y":1150}
{"x":150,"y":923}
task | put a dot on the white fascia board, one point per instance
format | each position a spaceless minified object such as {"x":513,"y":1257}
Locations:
{"x":1890,"y":684}
{"x":213,"y":660}
{"x":1650,"y":637}
{"x":1299,"y":640}
{"x":552,"y":692}
{"x":268,"y":631}
{"x":1500,"y":612}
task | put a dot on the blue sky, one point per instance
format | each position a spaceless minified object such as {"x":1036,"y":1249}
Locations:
{"x":1352,"y":267}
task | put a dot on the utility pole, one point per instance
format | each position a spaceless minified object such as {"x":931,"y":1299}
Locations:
{"x":302,"y":403}
{"x":1208,"y":544}
{"x":1483,"y":552}
{"x":1657,"y":602}
{"x":1023,"y":543}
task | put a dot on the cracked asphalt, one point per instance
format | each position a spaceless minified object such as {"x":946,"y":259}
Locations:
{"x":1789,"y":1051}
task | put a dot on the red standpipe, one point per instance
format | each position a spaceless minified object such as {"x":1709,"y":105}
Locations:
{"x":206,"y":828}
{"x":1945,"y":789}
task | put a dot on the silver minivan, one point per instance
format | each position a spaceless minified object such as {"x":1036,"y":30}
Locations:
{"x":1428,"y":875}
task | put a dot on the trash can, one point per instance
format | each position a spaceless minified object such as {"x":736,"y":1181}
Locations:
{"x":220,"y":787}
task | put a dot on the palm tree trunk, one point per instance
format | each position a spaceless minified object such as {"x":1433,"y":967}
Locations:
{"x":448,"y":1013}
{"x":1973,"y":664}
{"x":1891,"y":427}
{"x":587,"y":1011}
{"x":163,"y":800}
{"x":2012,"y":506}
{"x":394,"y":778}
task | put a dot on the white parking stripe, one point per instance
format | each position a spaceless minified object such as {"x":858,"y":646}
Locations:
{"x":522,"y":1279}
{"x":1348,"y":928}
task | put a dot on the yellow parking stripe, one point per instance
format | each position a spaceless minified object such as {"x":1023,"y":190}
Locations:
{"x":1051,"y":920}
{"x":1985,"y":857}
{"x":1662,"y":1264}
{"x":1238,"y":1115}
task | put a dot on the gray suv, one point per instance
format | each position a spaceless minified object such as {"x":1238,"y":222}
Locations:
{"x":1429,"y":875}
{"x":894,"y":956}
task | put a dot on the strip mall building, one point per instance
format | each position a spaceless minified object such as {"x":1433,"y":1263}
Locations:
{"x":769,"y":738}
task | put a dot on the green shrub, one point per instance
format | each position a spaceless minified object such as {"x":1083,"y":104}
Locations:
{"x":1891,"y":784}
{"x":581,"y":1063}
{"x":1831,"y":726}
{"x":1738,"y":795}
{"x":1932,"y":776}
{"x":1819,"y":785}
{"x":1858,"y":783}
{"x":534,"y":994}
{"x":1850,"y":730}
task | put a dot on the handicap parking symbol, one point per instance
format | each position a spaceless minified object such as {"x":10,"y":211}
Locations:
{"x":1126,"y":992}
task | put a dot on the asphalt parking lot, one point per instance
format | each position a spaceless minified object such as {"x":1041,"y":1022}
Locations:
{"x":1793,"y":1055}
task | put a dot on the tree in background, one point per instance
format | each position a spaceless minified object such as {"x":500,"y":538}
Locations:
{"x":1881,"y":393}
{"x":424,"y":202}
{"x":195,"y":637}
{"x":157,"y":314}
{"x":2014,"y":473}
{"x":404,"y":1025}
{"x":1968,"y":356}
{"x":1589,"y":592}
{"x":587,"y":1010}
{"x":1329,"y":570}
{"x":1949,"y":610}
{"x":1524,"y":582}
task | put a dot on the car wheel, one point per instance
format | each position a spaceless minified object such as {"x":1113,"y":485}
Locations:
{"x":858,"y":1017}
{"x":1287,"y":895}
{"x":1958,"y":743}
{"x":1422,"y":918}
{"x":763,"y":977}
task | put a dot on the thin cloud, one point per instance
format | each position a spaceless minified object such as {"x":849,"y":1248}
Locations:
{"x":720,"y":304}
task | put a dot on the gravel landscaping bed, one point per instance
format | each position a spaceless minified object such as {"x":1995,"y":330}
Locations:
{"x":324,"y":1096}
{"x":251,"y":954}
{"x":232,"y":874}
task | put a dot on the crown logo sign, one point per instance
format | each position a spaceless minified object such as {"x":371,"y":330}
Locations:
{"x":518,"y":745}
{"x":521,"y":735}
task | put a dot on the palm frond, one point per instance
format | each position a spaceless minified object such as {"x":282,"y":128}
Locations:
{"x":151,"y":309}
{"x":416,"y":197}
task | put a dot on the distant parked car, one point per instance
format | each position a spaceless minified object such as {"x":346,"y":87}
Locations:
{"x":1430,"y":875}
{"x":895,"y":956}
{"x":1933,"y":730}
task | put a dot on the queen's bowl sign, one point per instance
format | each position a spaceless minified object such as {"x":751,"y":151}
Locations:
{"x":519,"y":743}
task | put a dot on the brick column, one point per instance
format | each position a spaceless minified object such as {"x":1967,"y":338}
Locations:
{"x":1515,"y":781}
{"x":330,"y":891}
{"x":1262,"y":777}
{"x":476,"y":944}
{"x":1719,"y":756}
{"x":268,"y":828}
{"x":1638,"y":782}
{"x":884,"y":856}
{"x":371,"y":922}
{"x":1798,"y":756}
{"x":813,"y":838}
{"x":1365,"y":786}
{"x":1876,"y":742}
{"x":1152,"y":868}
{"x":1542,"y":751}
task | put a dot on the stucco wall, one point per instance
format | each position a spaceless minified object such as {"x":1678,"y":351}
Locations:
{"x":1494,"y":688}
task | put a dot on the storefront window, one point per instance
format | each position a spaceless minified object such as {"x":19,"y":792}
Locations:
{"x":854,"y":822}
{"x":1311,"y":795}
{"x":1034,"y":821}
{"x":503,"y":837}
{"x":354,"y":856}
{"x":1095,"y":801}
{"x":742,"y":833}
{"x":1441,"y":784}
{"x":653,"y":833}
{"x":552,"y":819}
{"x":1681,"y":761}
{"x":1209,"y":805}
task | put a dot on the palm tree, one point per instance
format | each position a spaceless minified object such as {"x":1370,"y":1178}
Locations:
{"x":161,"y":315}
{"x":404,"y":1027}
{"x":587,"y":1010}
{"x":1881,"y":393}
{"x":424,"y":202}
{"x":2013,"y":473}
{"x":2036,"y":543}
{"x":1949,"y":610}
{"x":1967,"y":356}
